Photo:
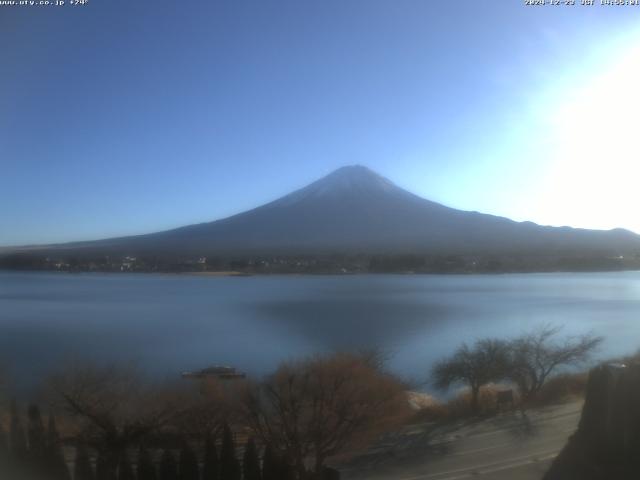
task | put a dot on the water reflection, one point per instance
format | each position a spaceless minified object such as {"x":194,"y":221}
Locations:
{"x":172,"y":323}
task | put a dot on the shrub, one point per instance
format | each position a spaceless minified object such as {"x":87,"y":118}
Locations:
{"x":562,"y":388}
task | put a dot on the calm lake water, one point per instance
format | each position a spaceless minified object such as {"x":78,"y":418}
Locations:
{"x":171,"y":323}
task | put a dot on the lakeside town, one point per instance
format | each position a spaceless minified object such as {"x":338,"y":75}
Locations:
{"x":323,"y":264}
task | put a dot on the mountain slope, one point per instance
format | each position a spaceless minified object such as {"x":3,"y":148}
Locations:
{"x":354,"y":210}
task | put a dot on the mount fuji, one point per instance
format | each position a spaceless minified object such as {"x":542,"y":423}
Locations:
{"x":355,"y":210}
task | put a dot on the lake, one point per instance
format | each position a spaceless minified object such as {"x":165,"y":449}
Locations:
{"x":171,"y":323}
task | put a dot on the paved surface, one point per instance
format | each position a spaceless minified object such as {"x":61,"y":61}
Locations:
{"x":509,"y":446}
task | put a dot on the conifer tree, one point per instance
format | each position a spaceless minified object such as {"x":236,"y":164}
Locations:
{"x":287,"y":472}
{"x":56,"y":463}
{"x":82,"y":467}
{"x":168,"y":467}
{"x":104,"y":471}
{"x":211,"y":467}
{"x":37,"y":439}
{"x":188,"y":464}
{"x":125,"y":470}
{"x":251,"y":462}
{"x":4,"y":449}
{"x":4,"y":443}
{"x":270,"y":467}
{"x":276,"y":466}
{"x":229,"y":465}
{"x":17,"y":439}
{"x":146,"y":468}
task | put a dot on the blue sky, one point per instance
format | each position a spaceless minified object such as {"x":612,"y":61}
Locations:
{"x":124,"y":117}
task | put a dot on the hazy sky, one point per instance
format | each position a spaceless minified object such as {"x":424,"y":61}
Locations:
{"x":122,"y":117}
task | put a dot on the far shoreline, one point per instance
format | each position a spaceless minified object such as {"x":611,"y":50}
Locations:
{"x":234,"y":273}
{"x":223,"y":273}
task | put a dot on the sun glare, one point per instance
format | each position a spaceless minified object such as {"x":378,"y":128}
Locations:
{"x":593,"y":179}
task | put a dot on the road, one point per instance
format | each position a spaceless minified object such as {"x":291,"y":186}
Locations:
{"x":509,"y":446}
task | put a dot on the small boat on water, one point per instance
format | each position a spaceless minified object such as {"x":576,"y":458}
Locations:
{"x":217,"y":372}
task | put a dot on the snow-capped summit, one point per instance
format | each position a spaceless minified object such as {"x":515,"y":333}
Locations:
{"x":353,"y":209}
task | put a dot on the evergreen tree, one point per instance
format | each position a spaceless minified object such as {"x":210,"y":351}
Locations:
{"x":276,"y":466}
{"x":251,"y":462}
{"x":82,"y":467}
{"x":168,"y":468}
{"x":17,"y":439}
{"x":104,"y":471}
{"x":211,"y":467}
{"x":37,"y":439}
{"x":329,"y":473}
{"x":287,"y":472}
{"x":229,"y":465}
{"x":146,"y":468}
{"x":188,"y":464}
{"x":56,"y":463}
{"x":270,"y":467}
{"x":125,"y":470}
{"x":4,"y":449}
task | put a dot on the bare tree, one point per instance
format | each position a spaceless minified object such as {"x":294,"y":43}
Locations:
{"x":207,"y":406}
{"x":115,"y":407}
{"x":486,"y":361}
{"x":535,"y":356}
{"x":315,"y":408}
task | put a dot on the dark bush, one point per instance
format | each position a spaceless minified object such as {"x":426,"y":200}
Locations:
{"x":229,"y":465}
{"x":251,"y":462}
{"x":188,"y":464}
{"x":146,"y":468}
{"x":168,"y":467}
{"x":211,"y":467}
{"x":83,"y":469}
